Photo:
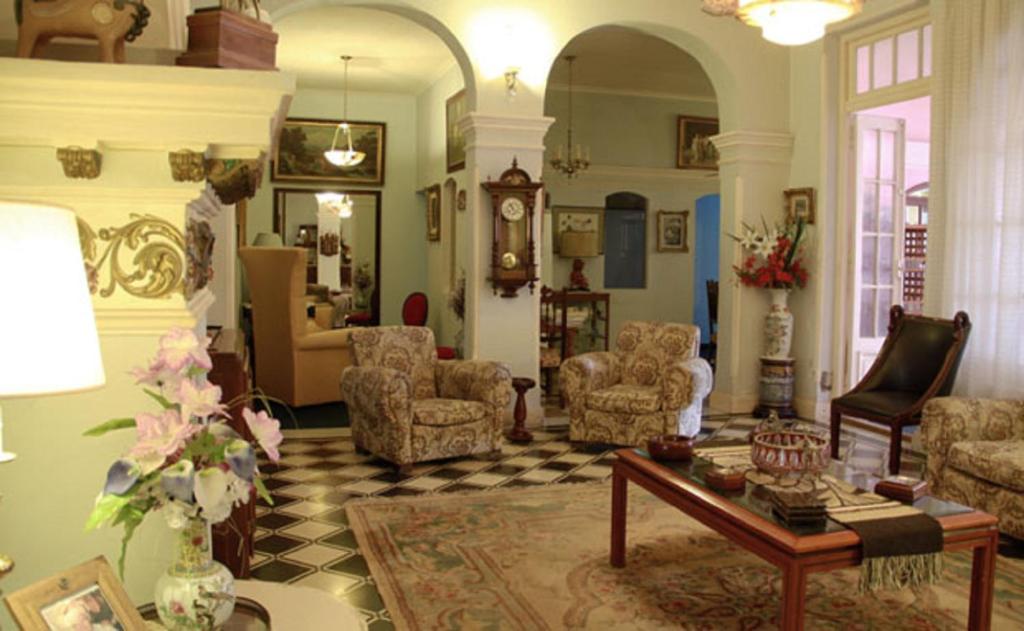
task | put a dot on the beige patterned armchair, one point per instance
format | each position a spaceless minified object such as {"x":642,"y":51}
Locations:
{"x":653,"y":383}
{"x":407,"y":407}
{"x":975,"y":450}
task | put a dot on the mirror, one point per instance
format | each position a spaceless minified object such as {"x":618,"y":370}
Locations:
{"x":343,"y":252}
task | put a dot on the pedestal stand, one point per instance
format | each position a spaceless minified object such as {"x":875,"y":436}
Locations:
{"x":519,"y":433}
{"x":776,"y":390}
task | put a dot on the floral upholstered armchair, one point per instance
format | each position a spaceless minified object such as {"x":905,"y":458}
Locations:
{"x":653,"y":383}
{"x":407,"y":407}
{"x":975,"y":455}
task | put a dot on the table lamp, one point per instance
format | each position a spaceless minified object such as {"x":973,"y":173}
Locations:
{"x":45,"y":297}
{"x":577,"y":245}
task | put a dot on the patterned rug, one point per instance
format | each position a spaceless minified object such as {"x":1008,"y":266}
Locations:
{"x":538,"y":559}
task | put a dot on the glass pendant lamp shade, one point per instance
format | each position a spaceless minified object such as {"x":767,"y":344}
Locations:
{"x":46,"y":304}
{"x":795,"y":22}
{"x":344,"y":157}
{"x":338,"y":203}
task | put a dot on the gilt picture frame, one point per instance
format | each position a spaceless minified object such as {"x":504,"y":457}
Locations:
{"x":85,"y":594}
{"x":455,"y":142}
{"x":799,"y":205}
{"x":673,"y":231}
{"x":299,"y":152}
{"x":433,"y":194}
{"x":694,"y":149}
{"x":579,"y":219}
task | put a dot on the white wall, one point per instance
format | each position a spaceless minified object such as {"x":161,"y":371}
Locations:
{"x":403,"y":222}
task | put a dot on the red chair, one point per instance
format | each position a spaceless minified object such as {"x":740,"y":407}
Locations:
{"x":414,"y":309}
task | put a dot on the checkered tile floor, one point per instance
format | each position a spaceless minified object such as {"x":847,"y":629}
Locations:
{"x":304,"y":538}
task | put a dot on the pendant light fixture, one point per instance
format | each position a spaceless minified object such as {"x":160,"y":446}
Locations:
{"x":787,"y":22}
{"x":577,"y":159}
{"x":344,"y":157}
{"x":338,"y":203}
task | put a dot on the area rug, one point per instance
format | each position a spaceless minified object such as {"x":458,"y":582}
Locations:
{"x":538,"y":559}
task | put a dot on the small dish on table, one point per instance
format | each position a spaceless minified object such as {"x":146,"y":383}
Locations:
{"x":671,"y":447}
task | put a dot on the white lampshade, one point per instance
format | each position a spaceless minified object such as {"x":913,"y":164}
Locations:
{"x":268,"y":240}
{"x":47,"y":328}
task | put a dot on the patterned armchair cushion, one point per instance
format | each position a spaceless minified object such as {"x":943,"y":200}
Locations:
{"x":626,"y":399}
{"x":475,"y":380}
{"x":407,"y":349}
{"x":999,"y":462}
{"x":585,"y":373}
{"x":447,"y":412}
{"x":645,"y":349}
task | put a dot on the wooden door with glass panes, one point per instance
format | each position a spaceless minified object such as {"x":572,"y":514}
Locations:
{"x":879,"y":218}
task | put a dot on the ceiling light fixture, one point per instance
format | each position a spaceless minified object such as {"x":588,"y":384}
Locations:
{"x":577,"y":159}
{"x":344,"y":158}
{"x":338,"y":203}
{"x":787,"y":22}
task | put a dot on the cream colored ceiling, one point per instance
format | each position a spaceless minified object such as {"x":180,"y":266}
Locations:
{"x":390,"y":53}
{"x":618,"y":59}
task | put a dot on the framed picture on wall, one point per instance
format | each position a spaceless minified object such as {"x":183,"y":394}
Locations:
{"x":299,"y":156}
{"x":799,"y":204}
{"x":434,"y":212}
{"x":695,"y":149}
{"x":587,"y":220}
{"x":672,"y":231}
{"x":86,"y":596}
{"x":455,"y":143}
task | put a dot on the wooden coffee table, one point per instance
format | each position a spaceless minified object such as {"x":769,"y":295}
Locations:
{"x":745,"y":519}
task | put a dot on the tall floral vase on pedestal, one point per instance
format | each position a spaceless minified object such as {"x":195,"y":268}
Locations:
{"x":195,"y":593}
{"x":778,"y":326}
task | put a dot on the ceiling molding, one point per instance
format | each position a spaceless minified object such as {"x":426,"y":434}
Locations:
{"x":642,"y":94}
{"x":616,"y":172}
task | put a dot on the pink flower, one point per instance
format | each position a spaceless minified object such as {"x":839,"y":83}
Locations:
{"x":267,"y":431}
{"x":180,"y":347}
{"x":160,"y":436}
{"x":201,"y":401}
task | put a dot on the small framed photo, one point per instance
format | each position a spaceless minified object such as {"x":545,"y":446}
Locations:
{"x":800,"y":205}
{"x":672,"y":231}
{"x":87,"y":596}
{"x":434,"y":212}
{"x":578,"y":219}
{"x":695,"y":149}
{"x":455,"y":143}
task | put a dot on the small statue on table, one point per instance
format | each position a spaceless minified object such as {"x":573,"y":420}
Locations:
{"x":577,"y":280}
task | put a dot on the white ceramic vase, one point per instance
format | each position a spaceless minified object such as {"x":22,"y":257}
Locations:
{"x":196,"y":593}
{"x":778,"y":326}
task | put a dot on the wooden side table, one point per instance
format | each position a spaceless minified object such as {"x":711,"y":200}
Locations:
{"x":519,"y":433}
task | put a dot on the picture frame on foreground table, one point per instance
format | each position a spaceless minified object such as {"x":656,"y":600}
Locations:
{"x":85,"y":596}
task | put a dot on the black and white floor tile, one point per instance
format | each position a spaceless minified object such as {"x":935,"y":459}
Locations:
{"x":304,"y":537}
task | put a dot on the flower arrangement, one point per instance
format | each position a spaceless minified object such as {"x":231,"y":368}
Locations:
{"x":186,"y":461}
{"x":362,"y":278}
{"x":776,"y":258}
{"x":457,"y":297}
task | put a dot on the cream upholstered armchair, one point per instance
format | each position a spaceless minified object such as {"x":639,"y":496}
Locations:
{"x":975,"y":456}
{"x":407,"y":407}
{"x":296,"y":360}
{"x":653,"y":383}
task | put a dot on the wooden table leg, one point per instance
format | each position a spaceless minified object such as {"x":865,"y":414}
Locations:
{"x":519,"y":433}
{"x":794,"y":586}
{"x":983,"y":575}
{"x":618,"y":555}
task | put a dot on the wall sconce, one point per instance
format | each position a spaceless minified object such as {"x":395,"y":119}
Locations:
{"x":511,"y":80}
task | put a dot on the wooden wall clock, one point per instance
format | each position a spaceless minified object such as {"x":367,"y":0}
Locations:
{"x":513,"y":251}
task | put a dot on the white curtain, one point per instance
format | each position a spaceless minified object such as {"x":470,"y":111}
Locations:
{"x":977,"y":189}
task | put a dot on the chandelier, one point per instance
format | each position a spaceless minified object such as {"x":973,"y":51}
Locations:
{"x":338,"y":203}
{"x":787,"y":22}
{"x":577,"y":159}
{"x":344,"y":157}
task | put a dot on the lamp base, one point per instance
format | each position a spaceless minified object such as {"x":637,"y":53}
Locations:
{"x":6,"y":456}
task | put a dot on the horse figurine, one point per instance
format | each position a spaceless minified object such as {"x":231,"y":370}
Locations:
{"x":111,"y":22}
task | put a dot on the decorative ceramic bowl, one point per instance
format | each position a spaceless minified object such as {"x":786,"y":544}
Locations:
{"x":670,"y":447}
{"x":790,"y":451}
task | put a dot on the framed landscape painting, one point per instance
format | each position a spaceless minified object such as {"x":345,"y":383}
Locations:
{"x":695,"y":149}
{"x":303,"y":141}
{"x":455,"y":143}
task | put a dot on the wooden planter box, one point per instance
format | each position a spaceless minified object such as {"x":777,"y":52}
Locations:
{"x":225,"y":39}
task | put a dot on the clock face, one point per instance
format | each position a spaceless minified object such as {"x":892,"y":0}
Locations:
{"x":512,"y":209}
{"x":509,"y":260}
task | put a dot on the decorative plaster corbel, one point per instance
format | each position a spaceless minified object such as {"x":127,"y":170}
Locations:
{"x":79,"y":162}
{"x":199,"y":239}
{"x":187,"y":165}
{"x":235,"y":180}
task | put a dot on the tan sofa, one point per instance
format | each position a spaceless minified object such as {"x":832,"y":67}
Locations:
{"x":296,"y":360}
{"x":975,"y":450}
{"x":654,"y":383}
{"x":407,"y":407}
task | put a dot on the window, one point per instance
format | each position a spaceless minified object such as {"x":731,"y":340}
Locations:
{"x":893,"y":59}
{"x":625,"y":241}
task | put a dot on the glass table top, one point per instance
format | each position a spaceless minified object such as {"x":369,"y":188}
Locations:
{"x":757,"y":498}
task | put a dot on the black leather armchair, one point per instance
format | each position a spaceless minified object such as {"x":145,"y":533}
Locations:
{"x":918,"y":361}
